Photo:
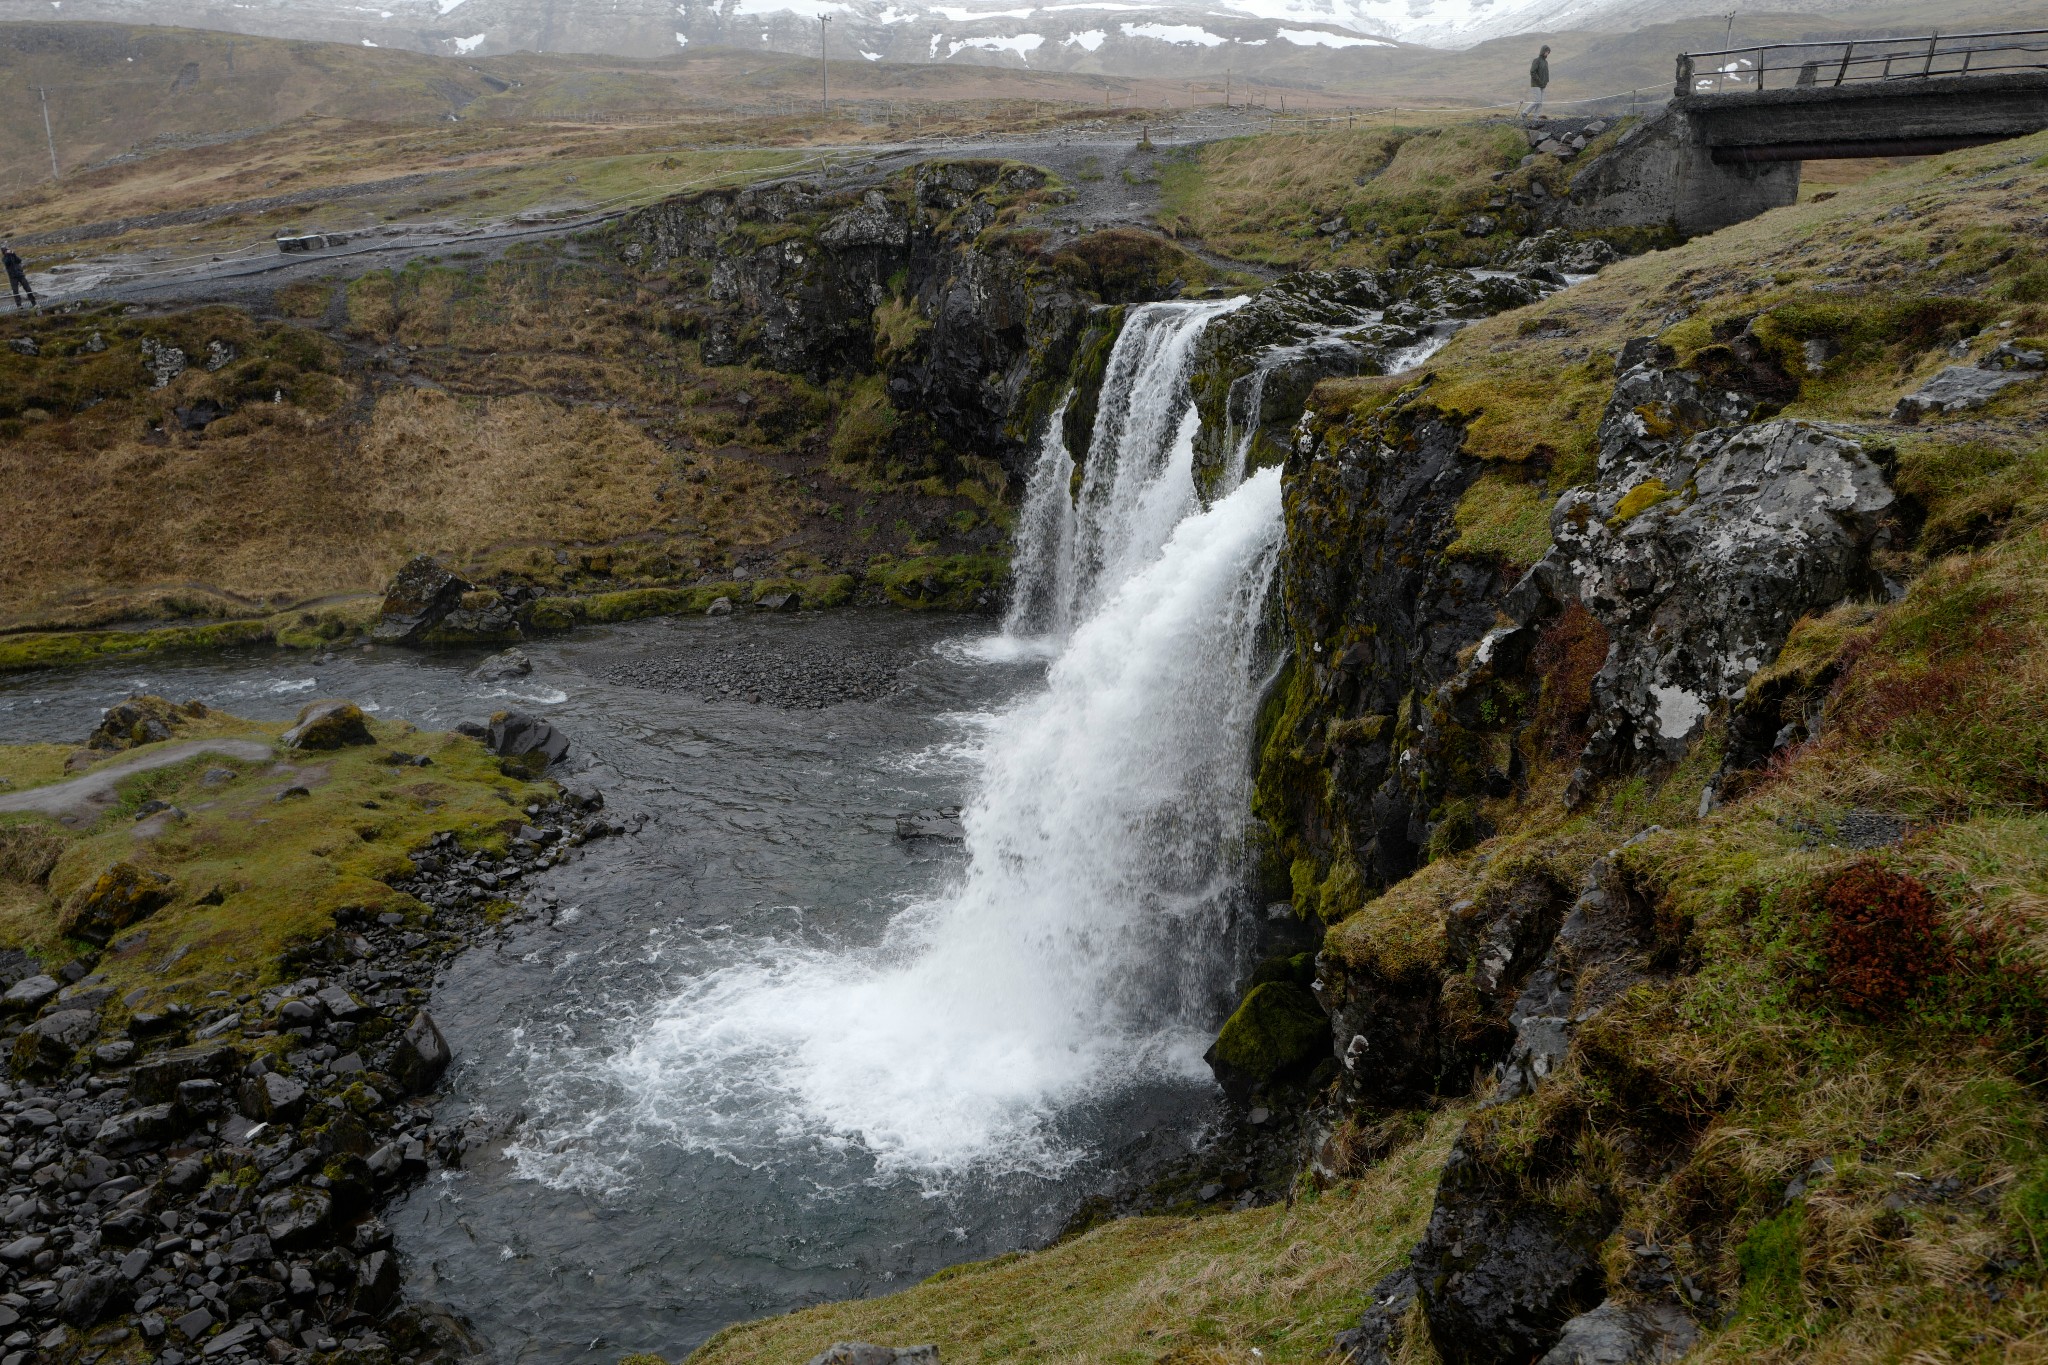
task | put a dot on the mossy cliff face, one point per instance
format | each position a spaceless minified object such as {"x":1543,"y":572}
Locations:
{"x":1376,"y":613}
{"x":928,"y":280}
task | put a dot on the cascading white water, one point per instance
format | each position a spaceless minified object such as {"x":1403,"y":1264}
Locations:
{"x":1079,"y":949}
{"x":1076,"y":549}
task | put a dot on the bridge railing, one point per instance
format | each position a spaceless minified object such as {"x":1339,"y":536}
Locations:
{"x":1780,"y":66}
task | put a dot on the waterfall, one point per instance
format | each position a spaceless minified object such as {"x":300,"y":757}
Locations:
{"x":1075,"y":549}
{"x":1081,"y":948}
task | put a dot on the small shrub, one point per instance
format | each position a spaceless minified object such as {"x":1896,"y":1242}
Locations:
{"x":1883,"y":938}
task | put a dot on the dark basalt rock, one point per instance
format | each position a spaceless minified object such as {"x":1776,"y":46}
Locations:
{"x":528,"y":742}
{"x":422,"y":594}
{"x":1498,"y":1276}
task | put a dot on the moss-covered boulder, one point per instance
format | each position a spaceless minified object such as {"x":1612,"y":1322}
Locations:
{"x":329,"y":725}
{"x":117,"y":898}
{"x":140,"y":720}
{"x":1277,"y":1032}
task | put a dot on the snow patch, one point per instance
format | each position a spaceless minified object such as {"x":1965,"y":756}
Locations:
{"x":805,"y":9}
{"x":682,"y":40}
{"x":959,"y":14}
{"x":1185,"y":35}
{"x":368,"y":43}
{"x":471,"y":44}
{"x":1023,"y":44}
{"x":1309,"y":37}
{"x":871,"y":56}
{"x":448,"y":6}
{"x":1087,"y":40}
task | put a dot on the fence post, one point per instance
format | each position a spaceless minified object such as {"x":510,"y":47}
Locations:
{"x":1843,"y":70}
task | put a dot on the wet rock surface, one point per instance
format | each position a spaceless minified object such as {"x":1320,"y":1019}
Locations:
{"x":794,"y":674}
{"x":204,"y":1184}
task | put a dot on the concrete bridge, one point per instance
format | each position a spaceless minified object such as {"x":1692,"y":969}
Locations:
{"x":1729,"y":145}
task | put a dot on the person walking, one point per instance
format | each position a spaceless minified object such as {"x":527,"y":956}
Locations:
{"x":17,"y":277}
{"x":1539,"y":77}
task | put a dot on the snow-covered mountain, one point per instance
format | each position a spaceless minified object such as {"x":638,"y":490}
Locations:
{"x":1118,"y":37}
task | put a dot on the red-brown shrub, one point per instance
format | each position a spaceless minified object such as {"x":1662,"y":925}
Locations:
{"x":1882,"y":938}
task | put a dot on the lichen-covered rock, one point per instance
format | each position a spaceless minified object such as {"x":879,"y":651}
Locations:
{"x":1617,"y":1333}
{"x":861,"y":1353}
{"x":479,"y":616}
{"x":419,"y":597}
{"x":1277,"y":1031}
{"x":1697,"y":549}
{"x":1378,"y":612}
{"x":329,"y":725}
{"x":295,"y":1217}
{"x":117,"y":898}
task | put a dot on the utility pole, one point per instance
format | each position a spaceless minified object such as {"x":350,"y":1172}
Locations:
{"x":824,"y":71}
{"x":1226,"y":87}
{"x":49,"y":136}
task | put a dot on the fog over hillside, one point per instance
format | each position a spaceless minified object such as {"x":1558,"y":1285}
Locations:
{"x":1267,"y":39}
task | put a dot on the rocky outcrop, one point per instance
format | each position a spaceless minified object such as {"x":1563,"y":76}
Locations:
{"x":122,"y":895}
{"x":206,"y":1185}
{"x":1253,"y":369}
{"x":422,"y":594}
{"x":1961,"y":387}
{"x":1699,"y":546}
{"x":973,"y":329}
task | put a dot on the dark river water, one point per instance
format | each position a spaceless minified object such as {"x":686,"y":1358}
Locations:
{"x":668,"y":1141}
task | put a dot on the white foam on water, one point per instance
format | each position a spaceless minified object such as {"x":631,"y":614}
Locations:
{"x":1077,"y":951}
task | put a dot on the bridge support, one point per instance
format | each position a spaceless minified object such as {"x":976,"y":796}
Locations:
{"x":1711,"y":160}
{"x":1665,"y":174}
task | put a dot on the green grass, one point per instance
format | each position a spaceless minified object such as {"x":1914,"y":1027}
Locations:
{"x":279,"y":870}
{"x":1279,"y":1280}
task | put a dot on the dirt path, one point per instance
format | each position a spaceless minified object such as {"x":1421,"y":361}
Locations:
{"x":87,"y":796}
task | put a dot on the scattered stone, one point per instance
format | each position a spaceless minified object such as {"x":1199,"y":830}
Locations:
{"x":1961,"y":387}
{"x":30,"y":994}
{"x":720,"y":606}
{"x":1653,"y":1333}
{"x":328,"y":725}
{"x":160,"y":362}
{"x":861,"y":1353}
{"x":422,"y":1055}
{"x":503,"y":667}
{"x":139,"y":720}
{"x":528,"y":744}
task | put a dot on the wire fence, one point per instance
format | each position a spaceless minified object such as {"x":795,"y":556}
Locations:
{"x":1781,"y":66}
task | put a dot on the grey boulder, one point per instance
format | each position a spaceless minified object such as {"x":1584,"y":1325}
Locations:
{"x":1625,"y":1334}
{"x":861,"y":1353}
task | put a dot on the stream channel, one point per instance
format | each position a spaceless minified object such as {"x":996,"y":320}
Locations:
{"x":764,"y":1052}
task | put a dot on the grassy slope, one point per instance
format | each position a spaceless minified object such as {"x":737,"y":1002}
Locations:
{"x":530,"y":417}
{"x":1279,"y":1280}
{"x":1924,"y":1242}
{"x":280,"y":868}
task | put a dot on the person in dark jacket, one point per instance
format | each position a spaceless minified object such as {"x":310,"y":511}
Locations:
{"x":1539,"y":77}
{"x":17,"y":277}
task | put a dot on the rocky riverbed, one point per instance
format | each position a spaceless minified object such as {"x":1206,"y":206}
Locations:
{"x":204,"y":1183}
